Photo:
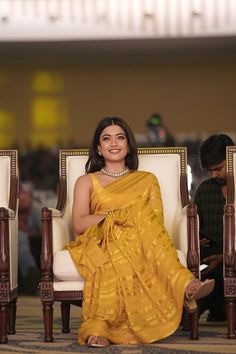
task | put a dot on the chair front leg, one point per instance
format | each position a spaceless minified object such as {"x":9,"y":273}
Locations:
{"x":3,"y":322}
{"x":65,"y":315}
{"x":190,"y":323}
{"x":48,"y":320}
{"x":185,"y":320}
{"x":12,"y":317}
{"x":194,"y":325}
{"x":230,"y":304}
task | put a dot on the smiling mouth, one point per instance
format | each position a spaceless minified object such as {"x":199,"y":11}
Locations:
{"x":114,"y":150}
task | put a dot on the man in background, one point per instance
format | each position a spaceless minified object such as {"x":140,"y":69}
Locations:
{"x":210,"y":199}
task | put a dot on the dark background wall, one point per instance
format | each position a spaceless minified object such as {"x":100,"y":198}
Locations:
{"x":191,"y":83}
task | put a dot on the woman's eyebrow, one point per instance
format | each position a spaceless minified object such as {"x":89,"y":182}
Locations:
{"x":106,"y":134}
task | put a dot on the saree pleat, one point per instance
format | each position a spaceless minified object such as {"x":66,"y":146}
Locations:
{"x":134,"y":282}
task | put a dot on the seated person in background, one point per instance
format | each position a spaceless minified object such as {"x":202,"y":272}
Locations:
{"x":29,"y":272}
{"x":210,"y":199}
{"x":135,"y":286}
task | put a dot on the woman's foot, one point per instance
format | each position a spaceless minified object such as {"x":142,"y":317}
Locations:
{"x":97,"y":341}
{"x":197,"y":289}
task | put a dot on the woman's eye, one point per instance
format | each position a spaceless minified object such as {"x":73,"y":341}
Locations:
{"x":105,"y":138}
{"x":121,"y":137}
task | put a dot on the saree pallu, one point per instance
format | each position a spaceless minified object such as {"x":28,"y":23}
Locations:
{"x":134,"y":283}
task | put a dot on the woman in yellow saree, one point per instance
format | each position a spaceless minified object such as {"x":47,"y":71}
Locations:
{"x":135,"y":285}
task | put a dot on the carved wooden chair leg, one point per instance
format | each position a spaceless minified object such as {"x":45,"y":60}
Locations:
{"x":186,"y":321}
{"x":48,"y":321}
{"x":12,"y":317}
{"x":3,"y":322}
{"x":65,"y":315}
{"x":230,"y":304}
{"x":194,"y":327}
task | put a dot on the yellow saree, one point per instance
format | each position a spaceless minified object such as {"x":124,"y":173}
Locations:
{"x":134,"y":282}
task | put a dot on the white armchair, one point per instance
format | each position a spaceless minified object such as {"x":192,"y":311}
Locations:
{"x":60,"y":280}
{"x":8,"y":242}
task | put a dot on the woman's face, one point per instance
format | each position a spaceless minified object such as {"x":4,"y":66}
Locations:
{"x":113,"y":143}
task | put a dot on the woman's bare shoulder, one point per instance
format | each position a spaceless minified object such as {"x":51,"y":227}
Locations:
{"x":83,"y":181}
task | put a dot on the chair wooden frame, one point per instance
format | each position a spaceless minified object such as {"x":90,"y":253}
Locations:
{"x":8,"y":295}
{"x":229,"y":244}
{"x":47,"y":293}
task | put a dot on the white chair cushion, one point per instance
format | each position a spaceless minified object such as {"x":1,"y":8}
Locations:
{"x":68,"y":285}
{"x":64,"y":268}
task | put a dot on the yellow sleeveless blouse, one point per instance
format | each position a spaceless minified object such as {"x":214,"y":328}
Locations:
{"x":134,"y":282}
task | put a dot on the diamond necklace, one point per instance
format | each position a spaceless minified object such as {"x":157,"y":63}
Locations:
{"x":114,"y":174}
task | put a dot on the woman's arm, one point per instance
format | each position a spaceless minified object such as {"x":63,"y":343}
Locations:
{"x":81,"y":217}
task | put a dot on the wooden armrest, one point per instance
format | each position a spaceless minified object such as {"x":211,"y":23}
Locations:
{"x":229,"y":240}
{"x":11,"y":213}
{"x":56,"y":213}
{"x":193,"y":258}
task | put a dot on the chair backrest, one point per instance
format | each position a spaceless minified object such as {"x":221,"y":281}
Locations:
{"x":8,"y":173}
{"x":168,"y":164}
{"x":9,"y":199}
{"x":231,"y":172}
{"x":5,"y":170}
{"x":170,"y":167}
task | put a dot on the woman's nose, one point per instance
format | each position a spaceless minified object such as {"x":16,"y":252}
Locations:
{"x":113,"y":141}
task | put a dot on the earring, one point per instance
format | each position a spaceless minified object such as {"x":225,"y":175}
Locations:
{"x":99,"y":153}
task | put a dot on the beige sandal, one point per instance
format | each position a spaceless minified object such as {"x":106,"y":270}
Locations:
{"x":198,"y":289}
{"x":97,"y":341}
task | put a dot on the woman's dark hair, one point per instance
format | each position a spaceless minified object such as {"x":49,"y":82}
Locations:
{"x":95,"y":161}
{"x":213,"y":150}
